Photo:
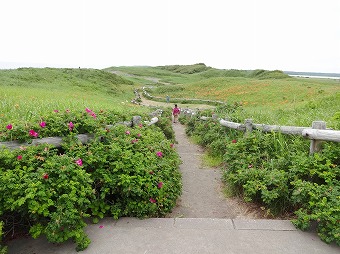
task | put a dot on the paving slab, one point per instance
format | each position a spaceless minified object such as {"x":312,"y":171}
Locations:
{"x":273,"y":225}
{"x":189,"y":236}
{"x":204,"y":223}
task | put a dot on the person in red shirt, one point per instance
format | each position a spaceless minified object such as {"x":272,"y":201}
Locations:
{"x":175,"y":112}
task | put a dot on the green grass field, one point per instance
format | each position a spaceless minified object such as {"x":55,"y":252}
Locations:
{"x":266,"y":96}
{"x":26,"y":93}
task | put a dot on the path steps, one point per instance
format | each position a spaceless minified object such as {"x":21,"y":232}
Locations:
{"x":196,"y":226}
{"x":188,"y":236}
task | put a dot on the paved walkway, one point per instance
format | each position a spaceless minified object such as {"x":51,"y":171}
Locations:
{"x":197,"y":225}
{"x":202,"y":194}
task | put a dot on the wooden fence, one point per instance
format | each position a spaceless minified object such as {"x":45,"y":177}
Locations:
{"x":83,"y":138}
{"x":181,"y":100}
{"x":316,"y":133}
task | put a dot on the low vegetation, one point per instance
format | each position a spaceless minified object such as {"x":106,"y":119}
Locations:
{"x":133,"y":171}
{"x":276,"y":171}
{"x":122,"y":171}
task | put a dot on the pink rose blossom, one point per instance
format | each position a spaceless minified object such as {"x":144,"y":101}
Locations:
{"x":42,"y":124}
{"x":32,"y":133}
{"x":79,"y":162}
{"x":140,"y":125}
{"x":19,"y":157}
{"x":160,"y":185}
{"x":139,"y":135}
{"x":56,"y":111}
{"x":9,"y":127}
{"x":45,"y":176}
{"x":152,"y":200}
{"x":88,"y":110}
{"x":70,"y":126}
{"x":233,"y":141}
{"x":127,"y":133}
{"x":159,"y":154}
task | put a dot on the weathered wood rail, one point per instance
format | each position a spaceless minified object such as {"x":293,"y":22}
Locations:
{"x":176,"y":100}
{"x":317,"y":133}
{"x":83,"y":138}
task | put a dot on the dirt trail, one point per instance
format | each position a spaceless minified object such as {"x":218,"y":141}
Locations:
{"x":202,"y":195}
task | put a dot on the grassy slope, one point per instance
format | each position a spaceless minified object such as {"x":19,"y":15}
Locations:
{"x":266,"y":96}
{"x":27,"y":92}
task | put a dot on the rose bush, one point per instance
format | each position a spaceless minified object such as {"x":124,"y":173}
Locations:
{"x":277,"y":172}
{"x":123,"y":171}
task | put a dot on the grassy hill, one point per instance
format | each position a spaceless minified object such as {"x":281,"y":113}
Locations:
{"x":28,"y":92}
{"x":266,"y":96}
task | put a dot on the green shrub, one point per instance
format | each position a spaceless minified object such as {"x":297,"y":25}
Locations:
{"x":123,"y":171}
{"x":51,"y":191}
{"x":3,"y":249}
{"x":316,"y":190}
{"x":276,"y":171}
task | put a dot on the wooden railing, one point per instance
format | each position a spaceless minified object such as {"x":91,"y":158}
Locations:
{"x":317,"y":133}
{"x":182,"y":100}
{"x":83,"y":138}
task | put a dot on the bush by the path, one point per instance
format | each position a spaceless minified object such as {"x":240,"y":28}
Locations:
{"x":123,"y":171}
{"x":276,"y":171}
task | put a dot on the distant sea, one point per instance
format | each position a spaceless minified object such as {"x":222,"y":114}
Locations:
{"x":313,"y":75}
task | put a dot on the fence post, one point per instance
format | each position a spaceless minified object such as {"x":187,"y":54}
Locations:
{"x":315,"y":144}
{"x":249,"y":125}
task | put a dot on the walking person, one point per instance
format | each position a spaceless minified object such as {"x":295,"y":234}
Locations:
{"x":175,"y":112}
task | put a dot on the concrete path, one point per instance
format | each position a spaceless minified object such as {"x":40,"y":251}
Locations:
{"x":202,"y":195}
{"x":187,"y":236}
{"x":197,"y":225}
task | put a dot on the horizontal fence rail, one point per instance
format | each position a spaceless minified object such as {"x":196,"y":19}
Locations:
{"x":317,"y":133}
{"x":174,"y":100}
{"x":83,"y":138}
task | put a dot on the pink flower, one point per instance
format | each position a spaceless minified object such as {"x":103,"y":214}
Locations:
{"x":79,"y":162}
{"x":250,"y":165}
{"x":45,"y":176}
{"x":70,"y":126}
{"x":233,"y":141}
{"x":101,"y":226}
{"x":140,"y":125}
{"x":93,"y":115}
{"x":32,"y":133}
{"x":134,"y":141}
{"x":88,"y":110}
{"x":139,"y":135}
{"x":42,"y":124}
{"x":159,"y":154}
{"x":151,"y":173}
{"x":68,"y":111}
{"x":9,"y":127}
{"x":171,"y":145}
{"x":19,"y":157}
{"x":127,"y":133}
{"x":56,"y":111}
{"x":160,"y":185}
{"x":152,"y":200}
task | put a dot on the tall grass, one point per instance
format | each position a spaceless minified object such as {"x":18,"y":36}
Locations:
{"x":27,"y":93}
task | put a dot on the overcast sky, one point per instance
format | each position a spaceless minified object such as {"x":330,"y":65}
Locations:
{"x":290,"y":35}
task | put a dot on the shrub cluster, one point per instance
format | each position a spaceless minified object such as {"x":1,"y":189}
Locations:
{"x":123,"y":171}
{"x":276,"y":171}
